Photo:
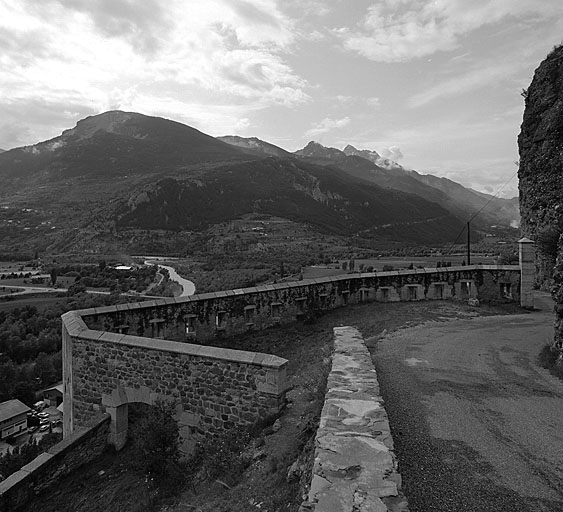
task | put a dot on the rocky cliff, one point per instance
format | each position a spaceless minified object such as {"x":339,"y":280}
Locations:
{"x":541,"y":175}
{"x":541,"y":161}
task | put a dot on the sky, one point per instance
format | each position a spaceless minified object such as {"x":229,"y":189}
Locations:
{"x":433,"y":85}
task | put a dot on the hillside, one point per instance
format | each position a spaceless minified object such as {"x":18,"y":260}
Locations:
{"x":115,"y":143}
{"x":254,"y":145}
{"x":323,"y":197}
{"x":457,"y":199}
{"x":120,"y":175}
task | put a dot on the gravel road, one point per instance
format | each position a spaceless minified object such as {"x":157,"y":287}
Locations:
{"x":477,"y":424}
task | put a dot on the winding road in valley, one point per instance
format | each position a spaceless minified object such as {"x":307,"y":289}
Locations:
{"x":477,"y":423}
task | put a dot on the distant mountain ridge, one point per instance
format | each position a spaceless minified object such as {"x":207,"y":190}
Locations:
{"x":117,"y":142}
{"x":461,"y":201}
{"x":372,"y":156}
{"x":255,"y":145}
{"x":122,"y":171}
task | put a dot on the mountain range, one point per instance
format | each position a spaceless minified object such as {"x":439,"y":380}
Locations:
{"x":117,"y":172}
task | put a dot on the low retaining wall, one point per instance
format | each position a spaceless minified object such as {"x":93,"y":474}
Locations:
{"x":355,"y":469}
{"x":200,"y":318}
{"x":83,"y":446}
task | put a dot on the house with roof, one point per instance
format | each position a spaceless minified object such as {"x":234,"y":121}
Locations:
{"x":13,"y":418}
{"x":53,"y":396}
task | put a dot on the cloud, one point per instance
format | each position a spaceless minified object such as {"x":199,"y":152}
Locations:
{"x":391,"y":152}
{"x":495,"y":176}
{"x":327,"y":125}
{"x":401,"y":30}
{"x":484,"y":75}
{"x":106,"y":54}
{"x":142,"y":24}
{"x":31,"y":120}
{"x":374,"y":102}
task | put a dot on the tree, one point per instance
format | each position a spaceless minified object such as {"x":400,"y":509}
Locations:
{"x":156,"y":437}
{"x":44,"y":369}
{"x":7,"y":378}
{"x":24,"y":392}
{"x":76,"y":288}
{"x":54,"y":276}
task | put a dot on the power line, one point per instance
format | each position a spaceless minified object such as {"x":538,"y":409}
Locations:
{"x":480,"y":210}
{"x":493,"y":197}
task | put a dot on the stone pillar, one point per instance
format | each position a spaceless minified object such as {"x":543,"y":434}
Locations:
{"x":68,"y":416}
{"x":119,"y":425}
{"x":527,"y":272}
{"x":116,"y":405}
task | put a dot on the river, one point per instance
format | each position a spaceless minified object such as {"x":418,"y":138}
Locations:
{"x":188,"y":287}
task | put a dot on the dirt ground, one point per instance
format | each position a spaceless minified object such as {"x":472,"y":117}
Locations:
{"x":111,"y":483}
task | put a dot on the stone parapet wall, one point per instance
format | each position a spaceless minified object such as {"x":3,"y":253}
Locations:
{"x":213,"y":389}
{"x":216,"y":388}
{"x":206,"y":316}
{"x":355,"y":468}
{"x":83,"y":446}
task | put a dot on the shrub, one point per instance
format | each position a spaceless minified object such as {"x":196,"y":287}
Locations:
{"x":548,"y":358}
{"x":223,"y":456}
{"x":156,"y":438}
{"x":14,"y":460}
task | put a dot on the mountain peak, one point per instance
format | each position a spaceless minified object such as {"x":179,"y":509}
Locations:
{"x":119,"y":143}
{"x":351,"y":150}
{"x":317,"y":150}
{"x":113,"y":121}
{"x":373,"y":156}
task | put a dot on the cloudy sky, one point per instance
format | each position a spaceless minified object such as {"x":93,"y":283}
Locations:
{"x":434,"y":85}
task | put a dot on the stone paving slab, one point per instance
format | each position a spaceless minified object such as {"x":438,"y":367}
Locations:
{"x":355,"y":469}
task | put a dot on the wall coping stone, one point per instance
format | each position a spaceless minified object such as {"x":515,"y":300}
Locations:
{"x":42,"y":458}
{"x":277,"y":286}
{"x":12,"y":480}
{"x":190,"y":349}
{"x":52,"y":454}
{"x":355,"y":469}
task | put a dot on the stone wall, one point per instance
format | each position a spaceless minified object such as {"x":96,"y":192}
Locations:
{"x":213,"y":389}
{"x":83,"y":446}
{"x":206,"y":316}
{"x":355,"y":468}
{"x":144,"y":352}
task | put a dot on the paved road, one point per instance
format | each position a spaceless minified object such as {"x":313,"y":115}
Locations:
{"x":478,"y":426}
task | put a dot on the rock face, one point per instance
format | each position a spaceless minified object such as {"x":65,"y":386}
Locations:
{"x":541,"y":176}
{"x":541,"y":161}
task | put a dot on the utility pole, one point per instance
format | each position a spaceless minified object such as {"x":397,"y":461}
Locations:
{"x":468,"y":245}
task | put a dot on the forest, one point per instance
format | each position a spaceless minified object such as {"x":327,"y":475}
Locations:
{"x":30,"y":344}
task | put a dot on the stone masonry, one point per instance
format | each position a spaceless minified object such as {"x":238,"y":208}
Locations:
{"x":204,"y":317}
{"x":213,"y":389}
{"x":144,"y":352}
{"x":83,"y":446}
{"x":355,"y":469}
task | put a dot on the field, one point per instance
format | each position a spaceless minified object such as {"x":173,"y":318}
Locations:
{"x":40,"y":301}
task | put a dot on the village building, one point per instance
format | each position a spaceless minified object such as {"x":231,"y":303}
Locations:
{"x":53,"y":396}
{"x":13,"y":418}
